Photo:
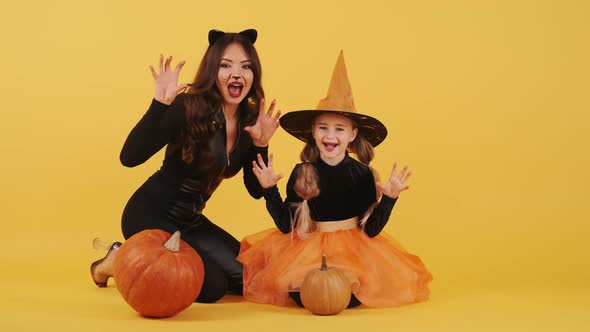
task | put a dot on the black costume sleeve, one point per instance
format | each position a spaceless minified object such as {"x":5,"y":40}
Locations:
{"x":380,"y":215}
{"x":282,"y":212}
{"x":250,"y":180}
{"x":160,"y":125}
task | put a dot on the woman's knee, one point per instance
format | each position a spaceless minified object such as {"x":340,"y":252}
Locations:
{"x":213,"y":290}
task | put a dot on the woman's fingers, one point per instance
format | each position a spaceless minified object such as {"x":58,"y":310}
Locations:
{"x":154,"y":75}
{"x":261,"y":109}
{"x":164,"y":66}
{"x":180,"y":65}
{"x":179,"y":88}
{"x":277,"y":116}
{"x":271,"y":108}
{"x":167,"y":64}
{"x":262,"y":112}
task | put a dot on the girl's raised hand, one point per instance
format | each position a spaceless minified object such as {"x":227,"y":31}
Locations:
{"x":395,"y":185}
{"x":265,"y":174}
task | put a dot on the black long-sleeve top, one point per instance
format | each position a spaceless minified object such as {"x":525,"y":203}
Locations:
{"x":347,"y":190}
{"x":189,"y":186}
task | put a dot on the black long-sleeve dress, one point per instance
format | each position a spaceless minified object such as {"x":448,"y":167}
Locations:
{"x":347,"y":190}
{"x":380,"y":270}
{"x":174,"y":197}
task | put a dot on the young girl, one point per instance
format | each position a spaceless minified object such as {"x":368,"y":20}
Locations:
{"x":333,"y":207}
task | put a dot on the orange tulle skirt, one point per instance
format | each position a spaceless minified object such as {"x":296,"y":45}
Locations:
{"x":382,"y":273}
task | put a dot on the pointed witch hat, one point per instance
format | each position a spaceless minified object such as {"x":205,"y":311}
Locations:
{"x":339,"y":100}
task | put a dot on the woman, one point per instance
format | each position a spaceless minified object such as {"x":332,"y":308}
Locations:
{"x":214,"y":129}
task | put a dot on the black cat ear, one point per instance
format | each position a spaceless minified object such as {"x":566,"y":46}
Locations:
{"x":251,"y":34}
{"x":215,"y":34}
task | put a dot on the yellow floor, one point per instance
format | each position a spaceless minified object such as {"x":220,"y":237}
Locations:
{"x":47,"y":294}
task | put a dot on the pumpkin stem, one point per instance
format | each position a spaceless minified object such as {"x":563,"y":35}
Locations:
{"x":324,"y":265}
{"x":173,"y":243}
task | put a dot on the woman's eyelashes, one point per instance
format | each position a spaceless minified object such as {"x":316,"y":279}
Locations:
{"x":228,"y":65}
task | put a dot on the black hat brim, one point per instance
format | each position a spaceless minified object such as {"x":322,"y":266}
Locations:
{"x":298,"y":124}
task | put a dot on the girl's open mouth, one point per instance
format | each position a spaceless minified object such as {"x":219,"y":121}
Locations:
{"x":330,"y":146}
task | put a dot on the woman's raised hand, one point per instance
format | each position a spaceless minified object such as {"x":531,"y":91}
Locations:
{"x":265,"y":126}
{"x":166,"y":80}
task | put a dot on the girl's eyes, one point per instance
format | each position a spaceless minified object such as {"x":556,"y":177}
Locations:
{"x":224,"y":65}
{"x":247,"y":67}
{"x":326,"y":128}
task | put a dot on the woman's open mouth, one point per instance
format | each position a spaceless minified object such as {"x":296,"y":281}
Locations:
{"x":235,"y":89}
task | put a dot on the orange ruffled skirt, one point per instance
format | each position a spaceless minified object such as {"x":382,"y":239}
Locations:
{"x":382,"y":273}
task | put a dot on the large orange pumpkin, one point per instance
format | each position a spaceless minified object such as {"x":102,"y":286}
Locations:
{"x":325,"y":291}
{"x":157,"y":274}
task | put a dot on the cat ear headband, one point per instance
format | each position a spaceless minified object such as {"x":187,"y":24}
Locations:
{"x":215,"y":34}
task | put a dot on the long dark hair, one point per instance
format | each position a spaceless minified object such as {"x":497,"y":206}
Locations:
{"x":203,"y":98}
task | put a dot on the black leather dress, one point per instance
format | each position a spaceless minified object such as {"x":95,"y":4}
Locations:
{"x":174,"y":197}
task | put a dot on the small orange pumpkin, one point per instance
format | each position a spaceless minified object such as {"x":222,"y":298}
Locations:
{"x":325,"y":291}
{"x":157,"y":274}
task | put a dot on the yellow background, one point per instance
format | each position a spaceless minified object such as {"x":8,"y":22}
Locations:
{"x":487,"y":101}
